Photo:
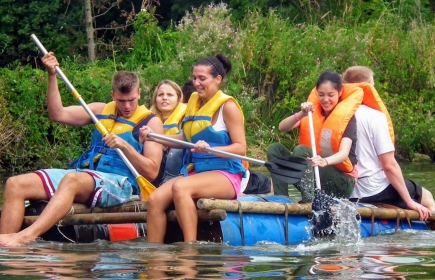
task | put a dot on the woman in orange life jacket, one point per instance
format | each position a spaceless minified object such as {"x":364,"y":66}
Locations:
{"x":212,"y":119}
{"x":333,"y":108}
{"x":168,"y":106}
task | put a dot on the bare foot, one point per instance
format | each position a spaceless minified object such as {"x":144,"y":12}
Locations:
{"x":14,"y":239}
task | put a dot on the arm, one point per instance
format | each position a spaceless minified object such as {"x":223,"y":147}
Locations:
{"x":294,"y":120}
{"x":395,"y":177}
{"x":233,"y":120}
{"x":145,"y":130}
{"x":349,"y":135}
{"x":72,"y":115}
{"x":338,"y":157}
{"x":148,"y":163}
{"x":290,"y":122}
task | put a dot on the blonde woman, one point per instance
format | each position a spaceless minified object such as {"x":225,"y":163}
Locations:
{"x":168,"y":106}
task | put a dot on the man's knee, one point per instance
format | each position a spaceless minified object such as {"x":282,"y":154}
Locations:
{"x":77,"y":181}
{"x":13,"y":184}
{"x":18,"y":184}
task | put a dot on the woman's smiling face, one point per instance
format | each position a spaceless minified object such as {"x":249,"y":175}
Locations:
{"x":328,"y":96}
{"x":205,"y":84}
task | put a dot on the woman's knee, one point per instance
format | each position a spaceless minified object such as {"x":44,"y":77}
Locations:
{"x":179,"y":190}
{"x":302,"y":151}
{"x":276,"y":149}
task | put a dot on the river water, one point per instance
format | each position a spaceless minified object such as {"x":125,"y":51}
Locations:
{"x":405,"y":255}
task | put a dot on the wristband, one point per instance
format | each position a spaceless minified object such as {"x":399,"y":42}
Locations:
{"x":295,"y":117}
{"x":327,"y":163}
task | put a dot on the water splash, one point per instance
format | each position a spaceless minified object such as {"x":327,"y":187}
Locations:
{"x":347,"y":222}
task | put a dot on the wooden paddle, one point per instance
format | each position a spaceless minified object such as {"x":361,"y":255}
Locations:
{"x":322,"y":203}
{"x":145,"y":186}
{"x":287,"y":169}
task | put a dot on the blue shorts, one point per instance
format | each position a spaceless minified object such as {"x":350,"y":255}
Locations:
{"x":109,"y":189}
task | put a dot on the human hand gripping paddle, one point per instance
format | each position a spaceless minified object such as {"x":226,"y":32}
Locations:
{"x":145,"y":186}
{"x":321,"y":207}
{"x":288,"y":169}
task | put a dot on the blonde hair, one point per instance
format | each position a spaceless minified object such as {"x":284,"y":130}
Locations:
{"x":172,"y":84}
{"x":358,"y":74}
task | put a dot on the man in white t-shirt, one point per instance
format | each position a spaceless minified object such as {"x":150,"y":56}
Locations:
{"x":380,"y":179}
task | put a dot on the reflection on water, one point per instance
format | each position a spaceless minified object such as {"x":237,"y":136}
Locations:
{"x":376,"y":258}
{"x":404,"y":255}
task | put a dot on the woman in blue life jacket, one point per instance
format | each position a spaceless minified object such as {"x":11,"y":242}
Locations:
{"x":168,"y":107}
{"x":212,"y":119}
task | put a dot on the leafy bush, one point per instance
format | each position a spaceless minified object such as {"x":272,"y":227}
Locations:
{"x":275,"y":65}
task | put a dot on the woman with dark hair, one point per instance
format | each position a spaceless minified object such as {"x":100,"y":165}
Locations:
{"x":212,"y":119}
{"x":333,"y":106}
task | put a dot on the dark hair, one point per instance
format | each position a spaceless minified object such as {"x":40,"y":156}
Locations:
{"x":187,"y":90}
{"x":331,"y":77}
{"x":125,"y":81}
{"x":220,"y":65}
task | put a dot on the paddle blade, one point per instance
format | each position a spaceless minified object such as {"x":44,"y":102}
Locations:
{"x":146,"y":188}
{"x":322,"y":212}
{"x":288,"y":169}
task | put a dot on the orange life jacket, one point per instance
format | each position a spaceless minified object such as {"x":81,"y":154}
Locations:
{"x":373,"y":100}
{"x":329,"y":131}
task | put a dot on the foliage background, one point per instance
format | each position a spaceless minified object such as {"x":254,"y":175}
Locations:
{"x":277,"y":55}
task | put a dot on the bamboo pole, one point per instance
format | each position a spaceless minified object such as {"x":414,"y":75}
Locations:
{"x":36,"y":208}
{"x":301,"y":209}
{"x":129,"y":206}
{"x":126,"y":217}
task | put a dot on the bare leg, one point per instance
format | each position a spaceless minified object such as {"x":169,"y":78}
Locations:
{"x":18,"y":189}
{"x":73,"y":187}
{"x":185,"y":191}
{"x":427,"y":200}
{"x":158,"y":202}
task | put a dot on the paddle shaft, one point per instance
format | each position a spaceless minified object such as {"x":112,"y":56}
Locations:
{"x":313,"y":148}
{"x":77,"y":96}
{"x":210,"y":150}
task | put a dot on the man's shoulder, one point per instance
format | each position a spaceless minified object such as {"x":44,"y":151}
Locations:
{"x":366,"y":112}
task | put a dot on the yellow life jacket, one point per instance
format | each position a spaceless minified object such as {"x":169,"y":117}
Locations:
{"x":329,"y":131}
{"x":170,"y":126}
{"x":197,"y":125}
{"x":198,"y":118}
{"x":101,"y":158}
{"x":373,"y":100}
{"x":118,"y":125}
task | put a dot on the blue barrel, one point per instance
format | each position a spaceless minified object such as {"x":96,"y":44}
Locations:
{"x":265,"y":227}
{"x":387,"y":226}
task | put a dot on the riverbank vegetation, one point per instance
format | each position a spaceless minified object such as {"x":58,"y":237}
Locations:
{"x":277,"y":55}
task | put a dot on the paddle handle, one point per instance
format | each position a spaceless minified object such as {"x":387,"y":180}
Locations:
{"x":313,"y":147}
{"x":77,"y":96}
{"x":210,"y":150}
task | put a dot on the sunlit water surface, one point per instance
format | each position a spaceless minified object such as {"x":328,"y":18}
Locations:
{"x":404,"y":255}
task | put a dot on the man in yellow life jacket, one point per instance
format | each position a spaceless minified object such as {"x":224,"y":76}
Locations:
{"x":100,"y":177}
{"x":380,"y":178}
